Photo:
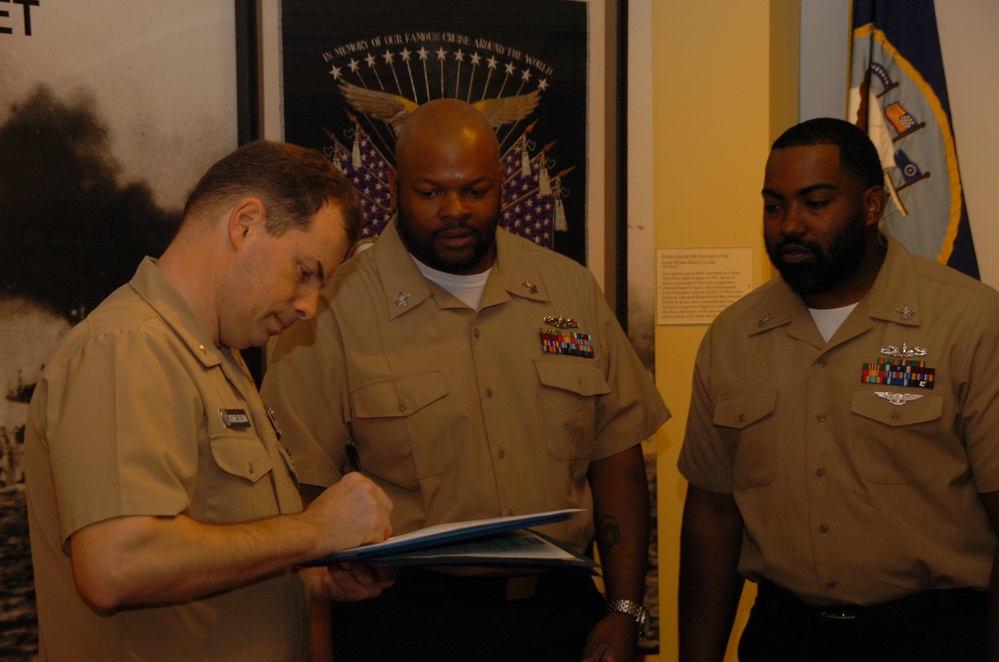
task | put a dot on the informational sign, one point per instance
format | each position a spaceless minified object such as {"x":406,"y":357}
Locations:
{"x":693,"y":285}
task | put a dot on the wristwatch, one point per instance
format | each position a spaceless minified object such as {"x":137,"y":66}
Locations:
{"x":633,"y":609}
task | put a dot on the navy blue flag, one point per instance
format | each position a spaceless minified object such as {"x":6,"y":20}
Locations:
{"x":898,"y":95}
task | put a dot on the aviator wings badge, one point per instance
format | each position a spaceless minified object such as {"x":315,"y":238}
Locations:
{"x":898,"y":399}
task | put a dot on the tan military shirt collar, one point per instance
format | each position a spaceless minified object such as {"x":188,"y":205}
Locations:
{"x":893,"y":297}
{"x":150,"y":284}
{"x":513,"y":274}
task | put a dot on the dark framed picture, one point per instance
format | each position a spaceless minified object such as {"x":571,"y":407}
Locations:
{"x":340,"y":77}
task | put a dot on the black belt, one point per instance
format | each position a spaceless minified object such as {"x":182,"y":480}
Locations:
{"x":925,"y":602}
{"x":476,"y":587}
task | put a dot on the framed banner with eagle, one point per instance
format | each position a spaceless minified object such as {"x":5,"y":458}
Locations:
{"x":350,"y":73}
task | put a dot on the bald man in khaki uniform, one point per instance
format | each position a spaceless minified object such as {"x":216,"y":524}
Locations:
{"x":164,"y":514}
{"x":433,"y":353}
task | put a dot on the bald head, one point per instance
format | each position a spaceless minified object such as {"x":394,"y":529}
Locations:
{"x":446,"y":122}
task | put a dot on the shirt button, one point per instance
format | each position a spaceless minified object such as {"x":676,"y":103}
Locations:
{"x":820,"y":472}
{"x":821,"y":363}
{"x":489,"y":393}
{"x":402,"y":406}
{"x":742,"y":418}
{"x":501,"y":453}
{"x":475,"y":332}
{"x":820,"y":417}
{"x":832,"y":583}
{"x":823,"y":528}
{"x":895,"y":416}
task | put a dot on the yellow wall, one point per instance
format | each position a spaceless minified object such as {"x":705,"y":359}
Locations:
{"x":724,"y":84}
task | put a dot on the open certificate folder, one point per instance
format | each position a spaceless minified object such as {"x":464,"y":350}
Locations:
{"x":499,"y":541}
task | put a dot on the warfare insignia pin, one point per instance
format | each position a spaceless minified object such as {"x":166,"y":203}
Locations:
{"x":904,"y":353}
{"x":561,"y":322}
{"x":766,"y":319}
{"x":898,"y":399}
{"x":531,"y":287}
{"x":905,"y":312}
{"x":402,"y":300}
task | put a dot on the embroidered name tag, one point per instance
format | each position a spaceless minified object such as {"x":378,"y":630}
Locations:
{"x":558,"y":341}
{"x":234,"y":418}
{"x":898,"y":372}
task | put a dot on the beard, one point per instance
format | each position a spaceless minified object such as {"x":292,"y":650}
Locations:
{"x":833,"y":262}
{"x":424,"y":245}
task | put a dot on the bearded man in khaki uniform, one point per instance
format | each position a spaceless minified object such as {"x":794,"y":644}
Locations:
{"x":429,"y":356}
{"x":841,"y":443}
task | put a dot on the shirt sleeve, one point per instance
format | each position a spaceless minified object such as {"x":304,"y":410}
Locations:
{"x":979,"y":412}
{"x":633,"y":409}
{"x":704,"y":459}
{"x":120,"y":425}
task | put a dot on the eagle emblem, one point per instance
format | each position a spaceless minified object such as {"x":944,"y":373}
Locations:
{"x":394,"y":109}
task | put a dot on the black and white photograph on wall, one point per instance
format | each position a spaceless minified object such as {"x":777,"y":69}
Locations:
{"x":109,"y":112}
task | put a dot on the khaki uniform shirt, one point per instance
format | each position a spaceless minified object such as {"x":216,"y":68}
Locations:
{"x":851,"y":491}
{"x":137,"y":413}
{"x":458,"y":414}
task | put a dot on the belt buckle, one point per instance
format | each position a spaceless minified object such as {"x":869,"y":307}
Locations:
{"x":521,"y":588}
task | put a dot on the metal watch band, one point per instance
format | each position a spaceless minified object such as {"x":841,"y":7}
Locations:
{"x":633,"y":609}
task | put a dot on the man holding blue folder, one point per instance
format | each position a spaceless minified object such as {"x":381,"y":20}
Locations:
{"x":165,"y":521}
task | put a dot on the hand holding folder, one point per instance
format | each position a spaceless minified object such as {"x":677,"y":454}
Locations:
{"x":498,"y":541}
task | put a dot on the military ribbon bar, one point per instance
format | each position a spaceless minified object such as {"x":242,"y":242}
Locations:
{"x":898,"y":372}
{"x":557,"y":341}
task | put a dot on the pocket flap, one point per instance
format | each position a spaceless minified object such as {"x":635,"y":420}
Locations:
{"x":922,"y":407}
{"x":241,"y":455}
{"x":739,"y":411}
{"x":581,"y":378}
{"x":398,"y":396}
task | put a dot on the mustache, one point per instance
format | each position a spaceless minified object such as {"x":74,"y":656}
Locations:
{"x":799,"y":243}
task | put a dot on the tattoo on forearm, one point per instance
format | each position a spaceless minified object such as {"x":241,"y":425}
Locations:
{"x":608,"y":533}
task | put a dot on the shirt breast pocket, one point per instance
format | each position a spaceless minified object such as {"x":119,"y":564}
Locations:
{"x":569,"y":392}
{"x":889,"y":442}
{"x":746,"y":424}
{"x":236,"y":491}
{"x":403,"y":427}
